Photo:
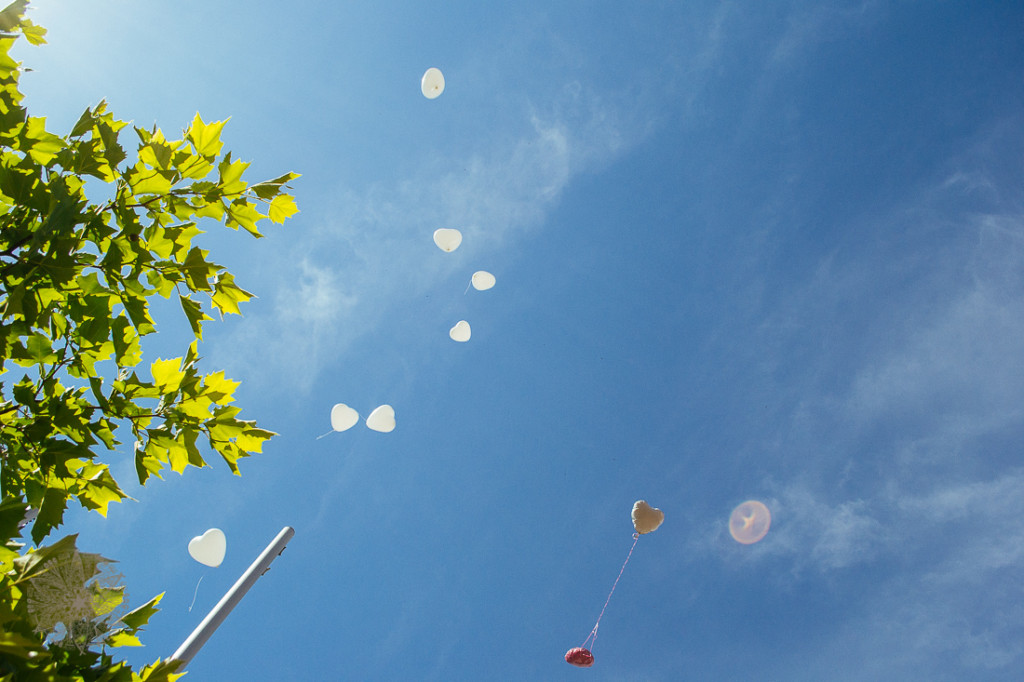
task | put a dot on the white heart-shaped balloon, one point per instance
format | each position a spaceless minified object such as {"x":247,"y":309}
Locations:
{"x":343,"y":417}
{"x":432,"y":83}
{"x":209,"y":548}
{"x":382,"y":419}
{"x":447,"y":239}
{"x":646,"y":518}
{"x":460,"y":332}
{"x":483,"y":280}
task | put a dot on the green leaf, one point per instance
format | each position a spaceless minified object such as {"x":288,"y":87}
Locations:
{"x":194,"y":313}
{"x":119,"y":638}
{"x":230,"y":453}
{"x":13,"y":644}
{"x":140,"y":616}
{"x":213,"y":209}
{"x":11,"y":16}
{"x":197,"y":270}
{"x":146,"y":464}
{"x":161,"y":671}
{"x":227,"y":295}
{"x":187,"y":438}
{"x":84,"y":125}
{"x":36,"y":35}
{"x":98,"y":488}
{"x":19,"y":184}
{"x":126,"y":342}
{"x":33,"y":563}
{"x":271,"y":188}
{"x":40,"y":350}
{"x":242,"y":213}
{"x":252,"y":439}
{"x":106,"y":599}
{"x":12,"y":512}
{"x":219,"y":388}
{"x":282,"y":207}
{"x":177,"y":456}
{"x":149,"y":181}
{"x":156,"y":155}
{"x":167,"y":374}
{"x":231,"y":182}
{"x":194,"y":167}
{"x":205,"y":137}
{"x":51,"y":513}
{"x":43,"y":146}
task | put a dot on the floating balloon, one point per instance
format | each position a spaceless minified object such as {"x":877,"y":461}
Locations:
{"x":209,"y":548}
{"x":749,"y":522}
{"x":343,"y":417}
{"x":483,"y":280}
{"x":432,"y":83}
{"x":460,"y":332}
{"x":382,"y":419}
{"x":447,"y":239}
{"x":579,"y":657}
{"x":646,"y":518}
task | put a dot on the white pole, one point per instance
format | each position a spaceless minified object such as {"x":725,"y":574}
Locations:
{"x":191,"y":646}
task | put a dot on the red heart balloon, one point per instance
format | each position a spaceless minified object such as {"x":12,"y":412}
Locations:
{"x":579,"y":657}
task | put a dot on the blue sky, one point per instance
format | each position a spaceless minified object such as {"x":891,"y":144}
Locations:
{"x":766,"y":251}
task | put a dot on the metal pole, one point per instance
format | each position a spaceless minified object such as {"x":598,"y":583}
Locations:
{"x":191,"y":646}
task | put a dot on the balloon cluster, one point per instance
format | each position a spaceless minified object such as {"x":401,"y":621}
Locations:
{"x":343,"y":418}
{"x":448,"y":239}
{"x":748,"y":523}
{"x":210,"y":547}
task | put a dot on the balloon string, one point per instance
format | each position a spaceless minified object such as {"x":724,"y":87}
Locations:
{"x":195,"y":595}
{"x":592,"y":637}
{"x":326,"y":434}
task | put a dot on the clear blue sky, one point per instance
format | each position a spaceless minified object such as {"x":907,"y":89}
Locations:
{"x":766,"y":251}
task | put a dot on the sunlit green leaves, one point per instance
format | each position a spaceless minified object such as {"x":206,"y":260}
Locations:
{"x":76,"y":279}
{"x":77,"y":276}
{"x":191,"y":406}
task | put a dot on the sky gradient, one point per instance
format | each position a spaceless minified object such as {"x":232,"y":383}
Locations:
{"x":768,"y":251}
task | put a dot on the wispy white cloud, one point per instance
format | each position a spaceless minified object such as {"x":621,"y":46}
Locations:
{"x":815,"y":23}
{"x":956,"y":371}
{"x":955,"y":607}
{"x":978,"y":515}
{"x":828,"y":536}
{"x":316,"y":297}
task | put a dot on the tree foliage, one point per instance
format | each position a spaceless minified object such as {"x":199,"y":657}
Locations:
{"x":77,"y":276}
